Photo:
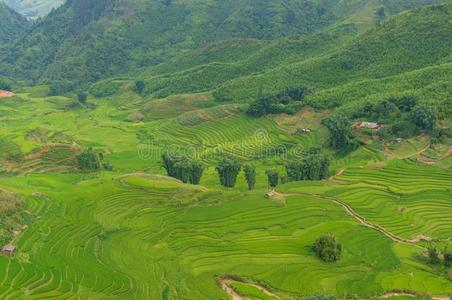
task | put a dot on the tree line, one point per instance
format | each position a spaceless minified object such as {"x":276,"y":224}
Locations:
{"x":313,"y":165}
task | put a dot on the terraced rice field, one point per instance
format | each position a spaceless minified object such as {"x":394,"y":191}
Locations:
{"x":135,"y":234}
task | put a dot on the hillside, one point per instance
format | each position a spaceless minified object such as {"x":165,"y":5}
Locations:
{"x":12,"y":25}
{"x":87,"y":41}
{"x":33,"y":8}
{"x":237,"y":69}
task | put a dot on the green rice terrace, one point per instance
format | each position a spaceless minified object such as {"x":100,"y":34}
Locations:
{"x":131,"y":232}
{"x":225,"y":149}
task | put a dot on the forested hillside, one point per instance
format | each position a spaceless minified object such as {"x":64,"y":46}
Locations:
{"x":33,"y":8}
{"x":12,"y":25}
{"x":89,"y":40}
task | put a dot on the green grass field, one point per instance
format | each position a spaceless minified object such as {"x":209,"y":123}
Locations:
{"x":134,"y":234}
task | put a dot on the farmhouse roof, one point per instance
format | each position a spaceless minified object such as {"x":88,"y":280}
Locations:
{"x":370,"y":125}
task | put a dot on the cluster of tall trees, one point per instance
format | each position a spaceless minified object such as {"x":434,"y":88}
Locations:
{"x":288,"y":100}
{"x":313,"y":166}
{"x":434,"y":256}
{"x":92,"y":161}
{"x":184,"y":168}
{"x":339,"y":128}
{"x":89,"y":160}
{"x":328,"y":248}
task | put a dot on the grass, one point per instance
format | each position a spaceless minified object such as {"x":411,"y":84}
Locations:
{"x":135,"y":234}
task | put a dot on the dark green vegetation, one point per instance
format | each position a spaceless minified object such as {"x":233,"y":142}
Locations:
{"x":11,"y":215}
{"x":12,"y":25}
{"x":190,"y":149}
{"x":327,"y":248}
{"x":33,"y":8}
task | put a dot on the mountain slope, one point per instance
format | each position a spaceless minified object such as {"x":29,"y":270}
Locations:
{"x":33,"y":8}
{"x":12,"y":24}
{"x":89,"y":40}
{"x":406,"y":42}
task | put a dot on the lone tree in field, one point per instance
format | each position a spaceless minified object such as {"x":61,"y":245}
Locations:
{"x":328,"y":249}
{"x":89,"y":161}
{"x":228,"y":169}
{"x":139,"y":86}
{"x":250,"y":176}
{"x":273,"y":178}
{"x":433,"y":255}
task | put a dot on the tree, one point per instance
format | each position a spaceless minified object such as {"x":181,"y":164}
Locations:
{"x":425,"y":117}
{"x":447,"y":256}
{"x":433,"y":255}
{"x":328,"y":249}
{"x":183,"y":168}
{"x":250,"y":176}
{"x":313,"y":166}
{"x":60,"y":87}
{"x":197,"y":170}
{"x":273,"y":178}
{"x":139,"y":86}
{"x":228,"y":169}
{"x":82,"y":96}
{"x":339,"y":128}
{"x":88,"y":161}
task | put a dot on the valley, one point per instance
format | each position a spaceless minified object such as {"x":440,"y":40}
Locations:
{"x":291,"y":149}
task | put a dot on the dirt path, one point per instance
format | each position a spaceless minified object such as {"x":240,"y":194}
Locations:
{"x":6,"y":94}
{"x":366,"y":223}
{"x":390,"y":295}
{"x":427,"y":160}
{"x":226,"y":286}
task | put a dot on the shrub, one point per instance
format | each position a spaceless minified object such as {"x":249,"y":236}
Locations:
{"x":433,"y":255}
{"x":139,"y":86}
{"x":328,"y":249}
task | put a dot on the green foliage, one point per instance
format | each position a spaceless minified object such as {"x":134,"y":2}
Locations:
{"x":228,"y":169}
{"x":250,"y":175}
{"x":82,"y":96}
{"x":328,"y":249}
{"x":447,"y":258}
{"x":104,"y":88}
{"x":183,"y":168}
{"x":313,"y":166}
{"x":273,"y":178}
{"x":12,"y":25}
{"x":339,"y":127}
{"x":320,"y":297}
{"x":139,"y":86}
{"x":288,"y":100}
{"x":433,"y":255}
{"x":60,"y":87}
{"x":425,"y":117}
{"x":89,"y":161}
{"x":5,"y":83}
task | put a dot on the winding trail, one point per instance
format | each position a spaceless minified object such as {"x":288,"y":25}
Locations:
{"x":366,"y":223}
{"x":226,"y":283}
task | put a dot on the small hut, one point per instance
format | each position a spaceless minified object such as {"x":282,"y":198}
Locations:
{"x":370,"y":125}
{"x":9,"y":250}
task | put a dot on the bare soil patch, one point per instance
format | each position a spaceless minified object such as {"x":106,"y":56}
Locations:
{"x":6,"y":94}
